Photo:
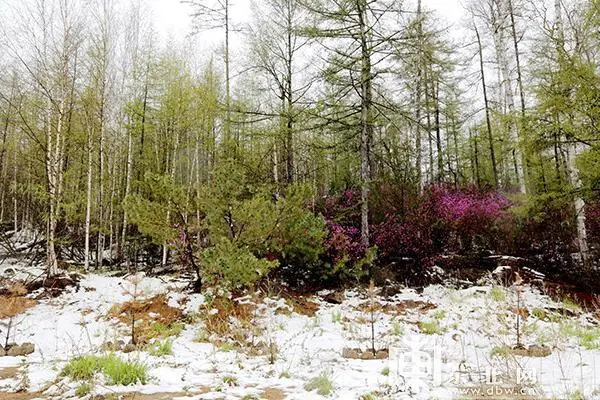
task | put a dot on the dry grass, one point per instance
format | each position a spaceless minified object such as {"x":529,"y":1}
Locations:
{"x":9,"y":373}
{"x":12,"y":299}
{"x":13,"y":306}
{"x":273,"y":394}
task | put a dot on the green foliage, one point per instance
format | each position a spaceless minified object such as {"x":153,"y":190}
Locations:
{"x":588,"y":336}
{"x":230,"y":380}
{"x":233,"y":266}
{"x":250,"y":229}
{"x":159,"y":197}
{"x":116,"y":371}
{"x":500,"y":351}
{"x":397,"y":329}
{"x":321,"y":383}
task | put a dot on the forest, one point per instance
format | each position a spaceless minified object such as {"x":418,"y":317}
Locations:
{"x":333,"y":140}
{"x":296,"y":194}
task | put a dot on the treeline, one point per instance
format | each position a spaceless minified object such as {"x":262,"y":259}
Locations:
{"x":343,"y":134}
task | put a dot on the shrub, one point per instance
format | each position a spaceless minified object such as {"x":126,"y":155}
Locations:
{"x":441,"y":220}
{"x":250,"y":229}
{"x":497,"y":294}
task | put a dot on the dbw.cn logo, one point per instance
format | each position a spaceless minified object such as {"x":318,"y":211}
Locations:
{"x":415,"y":364}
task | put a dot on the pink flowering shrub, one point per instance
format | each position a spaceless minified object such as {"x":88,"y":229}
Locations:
{"x":343,"y":243}
{"x":444,"y":220}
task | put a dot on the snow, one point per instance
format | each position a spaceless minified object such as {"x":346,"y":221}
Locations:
{"x":472,"y":322}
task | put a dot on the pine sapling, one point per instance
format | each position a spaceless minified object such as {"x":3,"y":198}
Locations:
{"x":372,"y":292}
{"x":134,"y":292}
{"x":518,"y":290}
{"x":8,"y":328}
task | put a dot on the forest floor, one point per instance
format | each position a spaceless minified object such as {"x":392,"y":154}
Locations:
{"x":436,"y":343}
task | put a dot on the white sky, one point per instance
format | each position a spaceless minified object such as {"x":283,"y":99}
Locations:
{"x":172,"y":19}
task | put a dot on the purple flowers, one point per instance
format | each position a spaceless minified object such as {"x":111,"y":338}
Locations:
{"x":440,"y":220}
{"x":343,"y":243}
{"x":467,"y":205}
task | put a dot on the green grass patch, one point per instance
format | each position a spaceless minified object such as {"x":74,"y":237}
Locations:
{"x":500,"y":351}
{"x":430,"y":327}
{"x":81,"y":368}
{"x":115,"y":370}
{"x":83,"y":390}
{"x":497,"y":294}
{"x":161,"y":349}
{"x":230,"y":380}
{"x":588,"y":336}
{"x":159,"y":330}
{"x":336,"y":316}
{"x":322,"y":384}
{"x":397,"y":329}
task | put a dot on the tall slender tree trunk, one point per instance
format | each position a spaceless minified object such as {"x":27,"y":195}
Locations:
{"x":289,"y":92}
{"x":366,"y":131}
{"x":501,"y":52}
{"x":228,"y":85}
{"x":88,"y":207}
{"x":488,"y":121}
{"x":100,"y":237}
{"x":438,"y":132}
{"x":128,"y":172}
{"x":418,"y":145}
{"x":571,"y":154}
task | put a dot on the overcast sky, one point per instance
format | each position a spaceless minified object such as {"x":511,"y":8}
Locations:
{"x":172,"y":19}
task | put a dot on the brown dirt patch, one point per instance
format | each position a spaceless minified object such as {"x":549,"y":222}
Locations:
{"x":53,"y":285}
{"x":9,"y":373}
{"x":230,"y":322}
{"x":226,"y":309}
{"x":272,"y":394}
{"x":20,"y":396}
{"x":360,"y":354}
{"x":146,"y":313}
{"x":301,"y":305}
{"x":12,"y":306}
{"x":152,"y":396}
{"x":531,"y":351}
{"x":399,"y":308}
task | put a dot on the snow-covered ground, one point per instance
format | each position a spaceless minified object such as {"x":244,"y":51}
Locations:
{"x":445,"y":344}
